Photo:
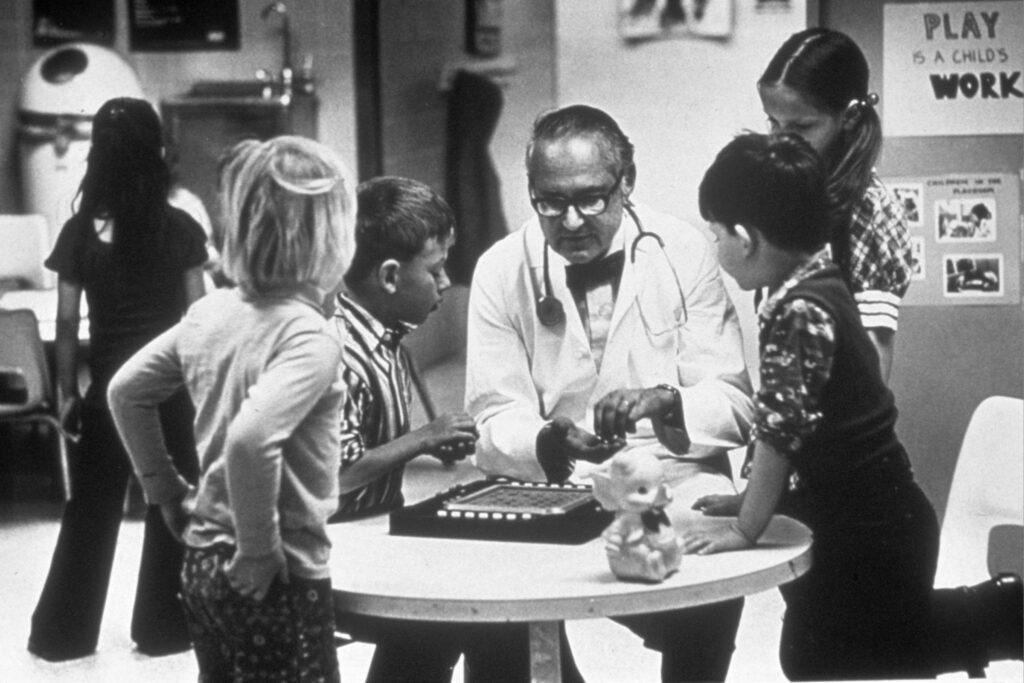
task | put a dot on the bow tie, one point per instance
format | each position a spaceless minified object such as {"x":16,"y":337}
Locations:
{"x":580,"y":277}
{"x":654,"y":519}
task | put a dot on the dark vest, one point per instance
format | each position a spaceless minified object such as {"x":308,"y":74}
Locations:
{"x":855,"y":445}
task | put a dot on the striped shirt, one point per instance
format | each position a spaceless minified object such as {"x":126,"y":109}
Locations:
{"x":376,"y":409}
{"x":879,"y":256}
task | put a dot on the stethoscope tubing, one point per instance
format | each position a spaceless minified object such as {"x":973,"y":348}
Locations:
{"x":549,"y":309}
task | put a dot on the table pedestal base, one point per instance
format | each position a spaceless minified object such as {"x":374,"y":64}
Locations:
{"x":545,"y":652}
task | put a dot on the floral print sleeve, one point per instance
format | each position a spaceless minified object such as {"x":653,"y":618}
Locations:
{"x":796,"y":360}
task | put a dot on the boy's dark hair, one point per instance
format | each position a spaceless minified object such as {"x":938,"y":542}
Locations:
{"x":395,"y":218}
{"x":582,"y":119}
{"x":773,"y":183}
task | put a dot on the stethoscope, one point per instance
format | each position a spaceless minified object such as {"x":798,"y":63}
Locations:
{"x":550,"y":310}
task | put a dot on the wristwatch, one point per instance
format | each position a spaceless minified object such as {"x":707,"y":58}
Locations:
{"x":673,"y":415}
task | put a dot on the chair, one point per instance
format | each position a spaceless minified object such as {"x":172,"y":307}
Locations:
{"x":26,"y":242}
{"x":24,"y":363}
{"x":985,"y":499}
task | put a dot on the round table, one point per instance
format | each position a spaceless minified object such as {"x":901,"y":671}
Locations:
{"x":441,"y":579}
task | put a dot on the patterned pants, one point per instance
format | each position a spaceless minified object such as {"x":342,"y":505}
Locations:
{"x":288,"y":636}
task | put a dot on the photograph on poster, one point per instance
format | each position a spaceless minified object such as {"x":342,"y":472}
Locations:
{"x":965,"y":220}
{"x":973,"y":274}
{"x":909,"y":195}
{"x":917,"y":258}
{"x":648,"y":19}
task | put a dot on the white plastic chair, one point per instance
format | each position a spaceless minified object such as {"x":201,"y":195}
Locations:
{"x":23,"y":359}
{"x":25,"y":241}
{"x":987,"y":490}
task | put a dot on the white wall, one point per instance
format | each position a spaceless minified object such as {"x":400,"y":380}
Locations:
{"x":680,"y":100}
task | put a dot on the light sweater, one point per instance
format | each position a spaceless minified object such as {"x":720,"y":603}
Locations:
{"x":263,"y":375}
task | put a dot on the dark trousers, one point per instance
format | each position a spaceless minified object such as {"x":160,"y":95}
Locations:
{"x":696,"y":643}
{"x":66,"y":621}
{"x":427,"y":652}
{"x":864,"y":609}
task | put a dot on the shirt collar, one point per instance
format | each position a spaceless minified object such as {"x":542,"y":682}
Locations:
{"x":812,"y":266}
{"x":369,"y":325}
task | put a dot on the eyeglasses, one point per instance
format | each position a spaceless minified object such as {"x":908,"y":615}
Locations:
{"x":593,"y":204}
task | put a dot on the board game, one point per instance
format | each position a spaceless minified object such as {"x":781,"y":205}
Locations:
{"x":506,"y":510}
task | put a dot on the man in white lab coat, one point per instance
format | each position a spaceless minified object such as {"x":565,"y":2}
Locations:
{"x":598,"y":323}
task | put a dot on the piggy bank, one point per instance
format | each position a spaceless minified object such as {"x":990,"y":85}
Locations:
{"x":640,"y":543}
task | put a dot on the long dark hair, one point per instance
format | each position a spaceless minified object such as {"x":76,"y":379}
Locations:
{"x":127,"y":180}
{"x":828,"y":69}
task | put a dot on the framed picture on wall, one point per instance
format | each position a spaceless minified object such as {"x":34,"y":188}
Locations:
{"x":182,"y":25}
{"x":648,"y":19}
{"x":966,"y":220}
{"x":58,"y":21}
{"x":973,"y":275}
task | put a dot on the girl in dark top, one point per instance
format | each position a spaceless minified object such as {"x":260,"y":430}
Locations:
{"x":826,"y":451}
{"x":139,"y":262}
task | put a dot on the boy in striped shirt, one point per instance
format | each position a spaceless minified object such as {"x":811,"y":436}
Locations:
{"x":396,"y":279}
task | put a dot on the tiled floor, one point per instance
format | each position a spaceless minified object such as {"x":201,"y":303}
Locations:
{"x":605,"y":652}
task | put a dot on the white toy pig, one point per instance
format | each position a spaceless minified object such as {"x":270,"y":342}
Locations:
{"x":640,"y":542}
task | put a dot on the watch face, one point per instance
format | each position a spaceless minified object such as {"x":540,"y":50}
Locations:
{"x":671,"y":413}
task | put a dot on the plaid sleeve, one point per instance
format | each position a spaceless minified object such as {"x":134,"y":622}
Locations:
{"x":880,"y":262}
{"x":796,"y":361}
{"x":357,"y":401}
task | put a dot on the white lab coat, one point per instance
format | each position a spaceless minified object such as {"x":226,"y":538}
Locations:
{"x":521,"y":374}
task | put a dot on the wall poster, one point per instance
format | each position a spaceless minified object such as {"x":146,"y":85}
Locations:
{"x":965,"y":237}
{"x":58,"y":21}
{"x":647,"y":19}
{"x":953,"y":68}
{"x":182,"y":25}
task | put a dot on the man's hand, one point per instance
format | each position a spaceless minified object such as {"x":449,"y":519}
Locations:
{"x":560,"y":443}
{"x":715,"y":540}
{"x":617,"y":413}
{"x":718,"y":505}
{"x":450,"y":437}
{"x":252,"y":576}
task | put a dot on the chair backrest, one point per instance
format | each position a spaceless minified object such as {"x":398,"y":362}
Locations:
{"x":987,"y":491}
{"x":22,"y":348}
{"x":24,"y":245}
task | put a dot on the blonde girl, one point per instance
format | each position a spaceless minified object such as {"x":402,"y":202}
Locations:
{"x":260,"y":364}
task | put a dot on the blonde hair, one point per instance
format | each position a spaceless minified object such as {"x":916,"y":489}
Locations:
{"x":289,"y":210}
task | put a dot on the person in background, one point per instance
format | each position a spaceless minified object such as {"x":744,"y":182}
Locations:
{"x":599,"y":325}
{"x":139,"y":263}
{"x":396,"y":280}
{"x":182,"y":198}
{"x":260,"y":363}
{"x":826,"y":451}
{"x":980,"y":218}
{"x":816,"y":86}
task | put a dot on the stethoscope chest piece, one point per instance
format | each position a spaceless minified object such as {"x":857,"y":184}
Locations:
{"x":550,"y":311}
